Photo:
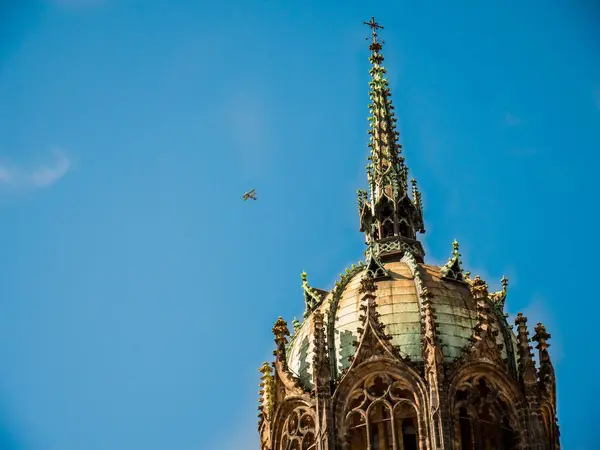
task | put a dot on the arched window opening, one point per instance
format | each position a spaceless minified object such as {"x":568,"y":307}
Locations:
{"x":466,"y":430}
{"x":383,"y":415}
{"x":357,"y":431}
{"x":409,"y":435}
{"x":508,"y":438}
{"x":299,"y":430}
{"x":484,"y":420}
{"x":405,"y":418}
{"x":488,"y":430}
{"x":380,"y":425}
{"x":404,"y":229}
{"x":548,"y":422}
{"x":387,"y":229}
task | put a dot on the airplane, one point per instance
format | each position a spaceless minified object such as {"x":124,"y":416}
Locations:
{"x":251,"y":194}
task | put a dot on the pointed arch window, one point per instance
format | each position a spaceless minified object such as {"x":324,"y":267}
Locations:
{"x":549,"y":427}
{"x":382,"y":416}
{"x":387,"y":228}
{"x":299,"y":430}
{"x":404,"y":229}
{"x":483,"y":419}
{"x":405,"y":418}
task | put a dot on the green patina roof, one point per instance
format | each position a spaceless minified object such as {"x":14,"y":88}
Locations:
{"x":399,"y":309}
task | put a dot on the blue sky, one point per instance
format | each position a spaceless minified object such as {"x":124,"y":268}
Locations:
{"x":137,"y":290}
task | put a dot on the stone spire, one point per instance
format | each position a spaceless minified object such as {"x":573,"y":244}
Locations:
{"x":387,"y":212}
{"x":527,"y":370}
{"x":546,"y":372}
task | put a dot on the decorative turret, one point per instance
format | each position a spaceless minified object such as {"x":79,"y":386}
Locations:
{"x":387,"y":214}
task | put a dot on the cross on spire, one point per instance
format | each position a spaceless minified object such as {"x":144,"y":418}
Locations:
{"x":374,"y":27}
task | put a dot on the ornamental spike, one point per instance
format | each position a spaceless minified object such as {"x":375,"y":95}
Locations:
{"x":389,"y":212}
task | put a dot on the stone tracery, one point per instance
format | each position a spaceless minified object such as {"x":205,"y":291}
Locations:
{"x":299,"y":430}
{"x":382,"y":413}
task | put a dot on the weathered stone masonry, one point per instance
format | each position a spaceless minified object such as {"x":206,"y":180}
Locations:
{"x":402,"y":355}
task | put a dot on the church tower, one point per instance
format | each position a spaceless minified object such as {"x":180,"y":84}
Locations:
{"x":400,"y":354}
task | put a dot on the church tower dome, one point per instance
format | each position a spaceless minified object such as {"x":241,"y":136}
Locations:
{"x":401,"y":354}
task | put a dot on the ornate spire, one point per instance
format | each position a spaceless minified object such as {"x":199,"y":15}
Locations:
{"x":546,"y":373}
{"x":285,"y":382}
{"x":527,"y":369}
{"x":281,"y":333}
{"x":266,"y":393}
{"x":388,"y":212}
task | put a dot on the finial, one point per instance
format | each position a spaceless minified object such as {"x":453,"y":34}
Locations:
{"x":296,"y":324}
{"x":541,"y":336}
{"x":280,"y":330}
{"x":479,"y":288}
{"x":367,"y":284}
{"x":265,"y":368}
{"x":526,"y":364}
{"x":374,"y":27}
{"x":304,"y":276}
{"x":375,"y":44}
{"x":455,"y":247}
{"x":504,"y":282}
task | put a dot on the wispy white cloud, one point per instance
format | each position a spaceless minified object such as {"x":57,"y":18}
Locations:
{"x":511,"y":120}
{"x":38,"y":175}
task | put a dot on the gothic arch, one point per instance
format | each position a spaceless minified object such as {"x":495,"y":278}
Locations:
{"x":548,"y":417}
{"x":381,"y":403}
{"x":295,"y":421}
{"x":486,"y":407}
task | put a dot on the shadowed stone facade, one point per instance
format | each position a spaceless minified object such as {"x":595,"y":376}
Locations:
{"x":402,"y":355}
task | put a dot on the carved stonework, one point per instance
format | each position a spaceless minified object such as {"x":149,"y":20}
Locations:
{"x":321,"y":367}
{"x":484,"y":340}
{"x":486,"y":416}
{"x":453,"y":268}
{"x":374,"y":266}
{"x":312,"y":297}
{"x":299,"y":430}
{"x":373,"y":341}
{"x":487,"y":396}
{"x":527,"y":370}
{"x":499,"y":298}
{"x":286,"y":383}
{"x":384,"y":409}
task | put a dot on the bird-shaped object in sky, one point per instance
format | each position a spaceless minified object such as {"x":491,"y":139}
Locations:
{"x":251,"y":194}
